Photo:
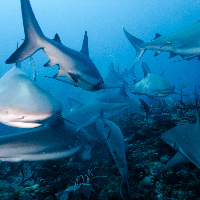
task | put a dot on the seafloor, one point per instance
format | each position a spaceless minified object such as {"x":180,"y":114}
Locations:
{"x":146,"y":154}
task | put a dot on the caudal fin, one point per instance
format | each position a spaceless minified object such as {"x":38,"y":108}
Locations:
{"x":138,"y":44}
{"x":33,"y":35}
{"x":124,"y":189}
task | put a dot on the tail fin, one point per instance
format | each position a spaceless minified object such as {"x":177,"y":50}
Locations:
{"x":138,"y":44}
{"x":33,"y":35}
{"x":124,"y":189}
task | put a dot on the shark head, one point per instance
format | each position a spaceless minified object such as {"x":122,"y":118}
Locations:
{"x":23,"y":103}
{"x":152,"y":85}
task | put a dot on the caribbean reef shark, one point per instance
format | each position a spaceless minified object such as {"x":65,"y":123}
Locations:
{"x":113,"y":77}
{"x":151,"y":85}
{"x":111,"y":134}
{"x":74,"y":65}
{"x":23,"y":103}
{"x":185,"y":42}
{"x":120,"y":97}
{"x":185,"y":139}
{"x":84,"y":115}
{"x":54,"y":141}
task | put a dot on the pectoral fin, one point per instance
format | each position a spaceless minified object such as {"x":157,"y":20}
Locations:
{"x":49,"y":63}
{"x":75,"y":77}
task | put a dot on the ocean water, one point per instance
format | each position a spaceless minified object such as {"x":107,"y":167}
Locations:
{"x":103,"y":20}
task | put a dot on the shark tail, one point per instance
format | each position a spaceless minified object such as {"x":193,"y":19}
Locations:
{"x":33,"y":35}
{"x":138,"y":44}
{"x":124,"y":189}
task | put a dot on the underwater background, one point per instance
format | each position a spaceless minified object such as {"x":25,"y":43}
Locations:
{"x":145,"y":151}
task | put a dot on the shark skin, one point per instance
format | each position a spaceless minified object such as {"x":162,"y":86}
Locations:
{"x":185,"y":139}
{"x":23,"y":104}
{"x":74,"y":65}
{"x":185,"y":42}
{"x":113,"y":77}
{"x":120,"y":97}
{"x":42,"y":143}
{"x":151,"y":85}
{"x":111,"y":134}
{"x":84,"y":115}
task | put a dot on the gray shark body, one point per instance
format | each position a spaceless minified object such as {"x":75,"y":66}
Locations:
{"x":120,"y":97}
{"x":74,"y":65}
{"x":113,"y":77}
{"x":111,"y":134}
{"x":185,"y":139}
{"x":151,"y":85}
{"x":84,"y":115}
{"x":185,"y":42}
{"x":42,"y":143}
{"x":23,"y":103}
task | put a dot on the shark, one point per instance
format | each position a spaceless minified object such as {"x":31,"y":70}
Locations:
{"x":120,"y":97}
{"x":185,"y":140}
{"x":56,"y":141}
{"x":76,"y":66}
{"x":42,"y":133}
{"x":185,"y":42}
{"x":151,"y":85}
{"x":110,"y":134}
{"x":113,"y":77}
{"x":84,"y":115}
{"x":23,"y":104}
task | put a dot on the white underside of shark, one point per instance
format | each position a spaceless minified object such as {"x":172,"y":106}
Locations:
{"x":151,"y":85}
{"x":23,"y":103}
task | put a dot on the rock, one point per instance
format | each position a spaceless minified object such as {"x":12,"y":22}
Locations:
{"x":146,"y":183}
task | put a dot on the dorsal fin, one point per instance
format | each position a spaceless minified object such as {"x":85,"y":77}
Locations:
{"x":146,"y":69}
{"x":74,"y":104}
{"x":85,"y":49}
{"x":57,"y":38}
{"x":157,"y":36}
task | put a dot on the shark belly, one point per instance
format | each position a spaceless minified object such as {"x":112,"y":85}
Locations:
{"x":74,"y":65}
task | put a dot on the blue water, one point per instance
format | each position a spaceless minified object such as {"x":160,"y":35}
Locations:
{"x":103,"y":20}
